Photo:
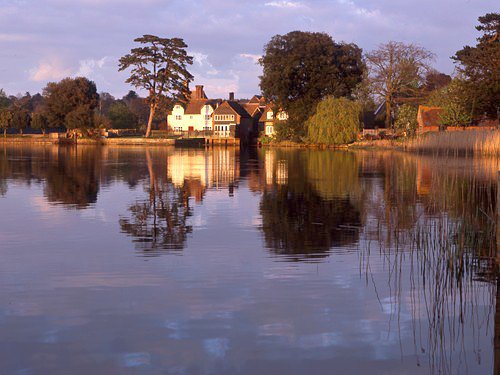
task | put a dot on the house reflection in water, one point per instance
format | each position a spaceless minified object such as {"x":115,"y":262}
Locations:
{"x":198,"y":170}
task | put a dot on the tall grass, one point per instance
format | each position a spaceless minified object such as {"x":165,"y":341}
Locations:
{"x":472,"y":142}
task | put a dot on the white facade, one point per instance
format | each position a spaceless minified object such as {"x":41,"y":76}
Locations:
{"x":179,"y":121}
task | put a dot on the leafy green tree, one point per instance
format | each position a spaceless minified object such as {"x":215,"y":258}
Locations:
{"x":77,"y":95}
{"x":80,"y":118}
{"x":406,"y":119}
{"x":481,"y":68}
{"x":160,"y":67}
{"x":106,"y":100}
{"x":138,"y":106}
{"x":101,"y":122}
{"x":121,"y":117}
{"x":456,"y":104}
{"x":336,"y":121}
{"x":435,"y":80}
{"x":39,"y":121}
{"x":4,"y":100}
{"x":21,"y":119}
{"x":5,"y":120}
{"x":302,"y":68}
{"x":397,"y":70}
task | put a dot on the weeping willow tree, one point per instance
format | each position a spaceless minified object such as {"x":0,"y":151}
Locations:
{"x":336,"y":122}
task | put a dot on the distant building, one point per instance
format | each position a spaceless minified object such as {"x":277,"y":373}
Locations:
{"x":231,"y":120}
{"x":429,"y":118}
{"x":255,"y":107}
{"x":195,"y":115}
{"x":269,"y":118}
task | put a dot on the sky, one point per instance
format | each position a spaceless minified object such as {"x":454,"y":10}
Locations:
{"x":47,"y":40}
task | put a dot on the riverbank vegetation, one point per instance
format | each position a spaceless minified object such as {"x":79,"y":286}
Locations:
{"x":392,"y":81}
{"x":319,"y":83}
{"x":336,"y":121}
{"x":472,"y":142}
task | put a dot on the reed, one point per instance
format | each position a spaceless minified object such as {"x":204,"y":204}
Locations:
{"x":471,"y":142}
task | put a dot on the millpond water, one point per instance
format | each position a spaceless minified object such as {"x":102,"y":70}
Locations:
{"x":119,"y":260}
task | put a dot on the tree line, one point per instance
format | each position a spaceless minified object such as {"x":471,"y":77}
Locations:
{"x":323,"y":85}
{"x":73,"y":104}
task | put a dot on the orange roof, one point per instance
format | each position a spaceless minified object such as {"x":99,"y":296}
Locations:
{"x":429,"y":116}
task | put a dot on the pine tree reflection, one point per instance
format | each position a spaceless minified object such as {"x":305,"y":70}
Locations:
{"x":161,"y":221}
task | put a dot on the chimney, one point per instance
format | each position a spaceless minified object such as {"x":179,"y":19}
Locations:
{"x":231,"y":96}
{"x":199,"y":92}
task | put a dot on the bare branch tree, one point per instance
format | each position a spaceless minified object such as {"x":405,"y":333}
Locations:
{"x":397,"y":70}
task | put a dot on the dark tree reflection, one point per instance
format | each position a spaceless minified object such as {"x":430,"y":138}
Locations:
{"x":309,"y":203}
{"x":161,"y":221}
{"x":72,"y":178}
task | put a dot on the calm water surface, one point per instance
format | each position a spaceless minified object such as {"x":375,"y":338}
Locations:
{"x":133,"y":260}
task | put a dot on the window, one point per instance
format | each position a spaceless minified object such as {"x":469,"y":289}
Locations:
{"x":224,"y":117}
{"x":190,"y":117}
{"x":269,"y":130}
{"x":178,"y":117}
{"x":207,"y":117}
{"x":270,"y":115}
{"x":282,"y":116}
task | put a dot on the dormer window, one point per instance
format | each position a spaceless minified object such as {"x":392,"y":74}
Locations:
{"x":282,"y":116}
{"x":270,"y":115}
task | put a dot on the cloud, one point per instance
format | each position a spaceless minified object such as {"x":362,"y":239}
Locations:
{"x":254,"y":58}
{"x":50,"y":69}
{"x":359,"y":10}
{"x":88,"y":67}
{"x":284,"y":4}
{"x":225,"y":35}
{"x":13,"y":37}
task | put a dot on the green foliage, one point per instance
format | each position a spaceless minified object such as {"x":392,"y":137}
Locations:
{"x":286,"y":131}
{"x":4,"y":100}
{"x":39,"y":121}
{"x":121,"y":117}
{"x":75,"y":96}
{"x":101,"y":122}
{"x":81,"y":118}
{"x":406,"y":119}
{"x":302,"y":68}
{"x":336,"y":121}
{"x":5,"y":119}
{"x":454,"y":115}
{"x":159,"y":66}
{"x":457,"y":106}
{"x":480,"y":67}
{"x":21,"y":118}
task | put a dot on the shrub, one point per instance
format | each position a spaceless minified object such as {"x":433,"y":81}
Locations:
{"x":456,"y":106}
{"x":336,"y":121}
{"x":406,"y":119}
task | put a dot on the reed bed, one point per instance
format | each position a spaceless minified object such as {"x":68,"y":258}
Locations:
{"x":467,"y":142}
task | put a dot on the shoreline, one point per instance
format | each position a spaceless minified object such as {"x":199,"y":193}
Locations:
{"x":132,"y":141}
{"x":476,"y":142}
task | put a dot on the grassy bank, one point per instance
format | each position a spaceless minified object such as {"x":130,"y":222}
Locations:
{"x":125,"y":141}
{"x":463,"y":143}
{"x":473,"y":142}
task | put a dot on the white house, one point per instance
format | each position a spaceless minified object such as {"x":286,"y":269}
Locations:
{"x":267,"y":119}
{"x":196,"y":115}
